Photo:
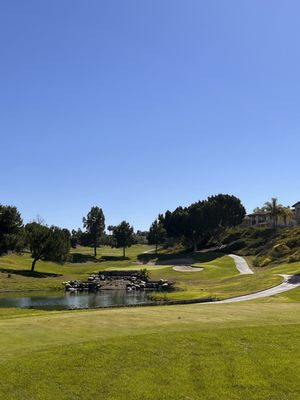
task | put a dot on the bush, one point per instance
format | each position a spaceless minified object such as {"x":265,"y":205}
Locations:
{"x":238,"y":245}
{"x":262,"y":261}
{"x":294,"y":242}
{"x":279,"y":250}
{"x":231,"y":237}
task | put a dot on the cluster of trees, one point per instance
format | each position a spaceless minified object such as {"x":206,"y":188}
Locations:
{"x":193,"y":224}
{"x":122,"y":235}
{"x":44,"y":243}
{"x":53,"y":243}
{"x":197,"y":223}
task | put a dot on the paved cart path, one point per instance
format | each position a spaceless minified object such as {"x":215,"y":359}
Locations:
{"x":290,"y":282}
{"x":241,"y":264}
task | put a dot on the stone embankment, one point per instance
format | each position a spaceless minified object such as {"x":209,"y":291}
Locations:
{"x":126,"y":280}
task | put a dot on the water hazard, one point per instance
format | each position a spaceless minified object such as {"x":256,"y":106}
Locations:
{"x":64,"y":300}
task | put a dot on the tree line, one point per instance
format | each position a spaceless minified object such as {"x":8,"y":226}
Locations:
{"x":52,"y":243}
{"x":196,"y":224}
{"x":193,"y":225}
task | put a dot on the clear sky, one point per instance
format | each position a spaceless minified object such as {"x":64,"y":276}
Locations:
{"x":139,"y":106}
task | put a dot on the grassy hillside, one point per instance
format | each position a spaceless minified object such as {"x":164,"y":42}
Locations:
{"x":268,"y":246}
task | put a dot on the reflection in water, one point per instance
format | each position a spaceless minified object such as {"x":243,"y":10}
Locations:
{"x":64,"y":301}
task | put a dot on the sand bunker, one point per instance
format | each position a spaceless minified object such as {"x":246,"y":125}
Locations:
{"x":185,"y":268}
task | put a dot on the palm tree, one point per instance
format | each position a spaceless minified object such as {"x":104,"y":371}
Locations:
{"x":273,"y":208}
{"x":287,"y":214}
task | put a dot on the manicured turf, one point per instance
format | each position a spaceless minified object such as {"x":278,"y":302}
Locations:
{"x":51,"y":275}
{"x":192,"y":352}
{"x":219,"y":278}
{"x":225,"y":352}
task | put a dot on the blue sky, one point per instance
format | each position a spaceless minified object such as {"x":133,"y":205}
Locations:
{"x":141,"y":106}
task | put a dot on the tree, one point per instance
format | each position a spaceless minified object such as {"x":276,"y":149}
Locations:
{"x":224,"y":211}
{"x":274,"y":209}
{"x":157,"y":234}
{"x":110,"y":229}
{"x":203,"y":219}
{"x":11,"y":226}
{"x":94,"y":223}
{"x":287,"y":214}
{"x":47,"y":244}
{"x":123,"y":236}
{"x":141,"y":237}
{"x":211,"y":216}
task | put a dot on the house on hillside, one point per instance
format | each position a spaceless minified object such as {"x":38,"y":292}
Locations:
{"x":296,"y":208}
{"x":262,"y":219}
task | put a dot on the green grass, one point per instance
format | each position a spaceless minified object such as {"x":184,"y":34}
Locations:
{"x":218,"y":279}
{"x":191,"y":352}
{"x":203,"y":352}
{"x":50,"y":275}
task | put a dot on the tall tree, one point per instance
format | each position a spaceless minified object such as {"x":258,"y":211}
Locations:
{"x":157,"y":234}
{"x":274,"y":209}
{"x":287,"y":214}
{"x":94,"y":223}
{"x":224,"y":210}
{"x":10,"y":228}
{"x":196,"y":226}
{"x":123,"y":236}
{"x":47,"y":244}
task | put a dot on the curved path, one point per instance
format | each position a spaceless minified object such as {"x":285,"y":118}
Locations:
{"x":241,"y":264}
{"x":290,"y":282}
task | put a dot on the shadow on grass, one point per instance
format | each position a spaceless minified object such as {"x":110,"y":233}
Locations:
{"x":145,"y":258}
{"x":294,"y":279}
{"x":78,"y":258}
{"x":26,"y":272}
{"x":114,"y":258}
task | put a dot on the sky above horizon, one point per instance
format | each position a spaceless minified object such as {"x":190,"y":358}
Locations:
{"x":141,"y":106}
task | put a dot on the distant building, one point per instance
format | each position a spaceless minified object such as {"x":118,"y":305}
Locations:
{"x":260,"y":219}
{"x":263,"y":219}
{"x":296,"y":208}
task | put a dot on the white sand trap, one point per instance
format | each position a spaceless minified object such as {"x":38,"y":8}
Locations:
{"x":185,"y":268}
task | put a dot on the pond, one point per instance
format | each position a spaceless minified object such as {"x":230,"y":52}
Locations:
{"x":59,"y":300}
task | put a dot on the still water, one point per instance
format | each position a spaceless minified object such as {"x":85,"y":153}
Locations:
{"x":65,"y":300}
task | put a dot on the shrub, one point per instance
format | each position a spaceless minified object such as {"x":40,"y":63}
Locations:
{"x":279,"y":250}
{"x":238,"y":245}
{"x":262,"y":261}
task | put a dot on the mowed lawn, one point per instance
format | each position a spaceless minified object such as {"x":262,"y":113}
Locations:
{"x":218,"y":278}
{"x":227,"y":352}
{"x":236,"y":351}
{"x":15,"y":269}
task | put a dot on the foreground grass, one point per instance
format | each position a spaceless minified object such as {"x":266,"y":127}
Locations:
{"x":205,"y":352}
